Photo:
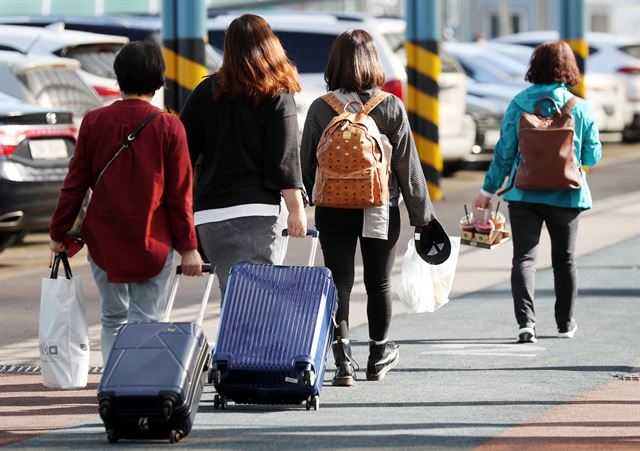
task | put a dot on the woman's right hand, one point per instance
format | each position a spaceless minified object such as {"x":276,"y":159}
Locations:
{"x":297,"y":223}
{"x":191,"y":263}
{"x":482,"y":201}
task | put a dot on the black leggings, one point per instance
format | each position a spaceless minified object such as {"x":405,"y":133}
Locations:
{"x":339,"y":232}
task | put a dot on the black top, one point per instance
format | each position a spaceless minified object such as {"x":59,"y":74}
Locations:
{"x":248,"y":152}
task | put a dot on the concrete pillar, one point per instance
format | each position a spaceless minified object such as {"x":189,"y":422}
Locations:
{"x":423,"y":72}
{"x":572,"y":26}
{"x":184,"y":36}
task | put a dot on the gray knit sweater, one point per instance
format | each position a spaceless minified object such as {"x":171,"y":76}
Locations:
{"x":407,"y":176}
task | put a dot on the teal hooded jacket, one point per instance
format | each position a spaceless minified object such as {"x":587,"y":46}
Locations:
{"x":506,"y":156}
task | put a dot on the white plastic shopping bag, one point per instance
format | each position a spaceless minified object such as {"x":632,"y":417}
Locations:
{"x":424,"y":287}
{"x":63,"y":333}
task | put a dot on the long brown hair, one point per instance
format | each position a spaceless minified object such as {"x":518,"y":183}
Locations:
{"x":553,"y":62}
{"x":354,"y":64}
{"x":255,"y":65}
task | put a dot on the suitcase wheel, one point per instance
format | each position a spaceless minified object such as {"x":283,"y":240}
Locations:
{"x":112,"y":436}
{"x":313,"y":403}
{"x":309,"y":377}
{"x":219,"y":401}
{"x":175,"y":435}
{"x":104,"y":409}
{"x":167,"y":409}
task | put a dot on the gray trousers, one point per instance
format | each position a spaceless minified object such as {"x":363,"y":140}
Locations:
{"x":249,"y":239}
{"x":526,"y":225}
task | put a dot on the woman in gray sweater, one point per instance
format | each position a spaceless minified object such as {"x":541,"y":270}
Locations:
{"x":354,"y":72}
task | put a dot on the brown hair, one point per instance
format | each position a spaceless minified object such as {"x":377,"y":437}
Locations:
{"x":553,"y":62}
{"x":354,"y":64}
{"x":255,"y":65}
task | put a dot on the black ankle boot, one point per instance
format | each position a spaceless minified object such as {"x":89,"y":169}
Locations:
{"x":381,"y":359}
{"x":345,"y":374}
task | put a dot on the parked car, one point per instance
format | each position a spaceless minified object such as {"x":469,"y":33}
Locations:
{"x":487,"y":114}
{"x":134,"y":28}
{"x":502,"y":67}
{"x":609,"y":54}
{"x":307,"y":39}
{"x":95,"y":52}
{"x":48,"y":81}
{"x":35,"y":146}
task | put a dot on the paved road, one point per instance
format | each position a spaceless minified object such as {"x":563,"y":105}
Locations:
{"x":461,"y":383}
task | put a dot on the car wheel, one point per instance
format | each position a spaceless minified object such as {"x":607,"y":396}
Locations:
{"x":8,"y":239}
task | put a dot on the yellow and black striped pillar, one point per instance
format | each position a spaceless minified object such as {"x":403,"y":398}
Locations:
{"x":572,"y":25}
{"x":183,"y":39}
{"x":423,"y":72}
{"x":581,"y":51}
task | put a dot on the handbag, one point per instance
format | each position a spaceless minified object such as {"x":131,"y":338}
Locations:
{"x":63,"y":331}
{"x":74,"y":232}
{"x":426,"y":287}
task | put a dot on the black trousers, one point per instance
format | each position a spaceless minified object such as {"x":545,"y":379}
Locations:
{"x":526,"y":225}
{"x":340,"y":229}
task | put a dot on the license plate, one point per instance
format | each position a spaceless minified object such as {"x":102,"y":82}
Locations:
{"x":42,"y":149}
{"x":491,"y":138}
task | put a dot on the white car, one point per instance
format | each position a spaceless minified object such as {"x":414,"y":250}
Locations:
{"x":48,"y":81}
{"x":307,"y":39}
{"x":95,"y":52}
{"x":605,"y":93}
{"x":609,"y":54}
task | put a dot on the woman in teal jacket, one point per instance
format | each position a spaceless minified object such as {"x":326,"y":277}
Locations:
{"x":552,"y":68}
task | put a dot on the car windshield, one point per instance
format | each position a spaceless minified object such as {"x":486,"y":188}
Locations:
{"x":396,"y":42}
{"x":491,"y":68}
{"x":307,"y":50}
{"x":61,"y":88}
{"x":97,"y":59}
{"x":633,"y":50}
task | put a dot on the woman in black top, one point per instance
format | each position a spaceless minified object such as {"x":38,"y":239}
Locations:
{"x":241,"y":125}
{"x":354,"y":72}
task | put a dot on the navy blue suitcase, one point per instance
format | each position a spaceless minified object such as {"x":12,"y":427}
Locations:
{"x":154,"y":376}
{"x":276,"y":327}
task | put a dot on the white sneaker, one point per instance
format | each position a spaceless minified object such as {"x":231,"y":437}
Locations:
{"x":570,"y":332}
{"x":527,"y":334}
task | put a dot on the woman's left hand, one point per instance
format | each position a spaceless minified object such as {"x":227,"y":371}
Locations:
{"x":56,"y":246}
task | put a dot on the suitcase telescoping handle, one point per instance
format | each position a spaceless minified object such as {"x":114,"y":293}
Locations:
{"x":314,"y":234}
{"x":174,"y":290}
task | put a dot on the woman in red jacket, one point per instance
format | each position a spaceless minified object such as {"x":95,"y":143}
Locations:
{"x":141,"y":208}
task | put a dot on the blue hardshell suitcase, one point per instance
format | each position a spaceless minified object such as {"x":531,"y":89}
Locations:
{"x":275,"y":331}
{"x":154,"y":376}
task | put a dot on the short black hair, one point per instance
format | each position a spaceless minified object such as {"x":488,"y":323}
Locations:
{"x":139,"y":68}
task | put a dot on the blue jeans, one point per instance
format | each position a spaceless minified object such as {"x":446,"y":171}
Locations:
{"x":123,"y":303}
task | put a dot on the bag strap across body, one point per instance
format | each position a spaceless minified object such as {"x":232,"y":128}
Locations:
{"x":128,"y":140}
{"x":74,"y":232}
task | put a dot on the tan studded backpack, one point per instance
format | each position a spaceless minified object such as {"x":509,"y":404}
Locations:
{"x":353,"y":158}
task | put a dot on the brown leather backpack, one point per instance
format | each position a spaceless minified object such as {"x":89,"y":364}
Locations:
{"x":353,"y":158}
{"x":548,"y":158}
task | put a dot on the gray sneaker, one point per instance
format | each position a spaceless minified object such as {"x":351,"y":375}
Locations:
{"x":568,"y":331}
{"x":527,"y":334}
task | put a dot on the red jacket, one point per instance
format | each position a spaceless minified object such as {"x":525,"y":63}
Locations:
{"x":142,"y":205}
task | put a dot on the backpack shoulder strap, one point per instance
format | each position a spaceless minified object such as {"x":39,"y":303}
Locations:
{"x":374,"y":101}
{"x":568,"y":106}
{"x":333,"y":102}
